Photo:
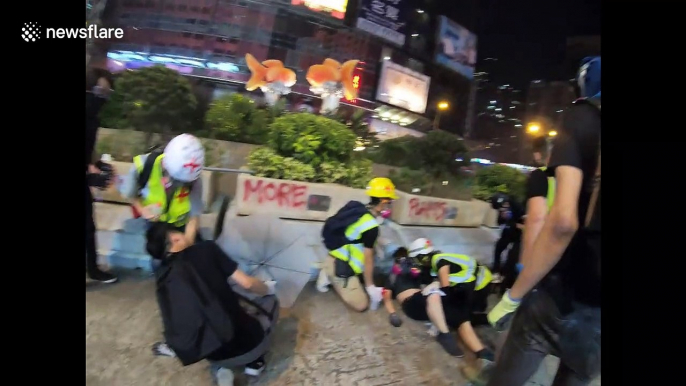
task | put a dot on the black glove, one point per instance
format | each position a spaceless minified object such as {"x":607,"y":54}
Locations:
{"x":104,"y":167}
{"x":98,"y":180}
{"x":395,"y":320}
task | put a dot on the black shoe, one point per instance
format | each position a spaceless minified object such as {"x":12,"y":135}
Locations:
{"x":449,"y":344}
{"x":255,"y":368}
{"x":103,"y":277}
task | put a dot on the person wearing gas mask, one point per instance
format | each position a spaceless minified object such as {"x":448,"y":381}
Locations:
{"x":166,"y":188}
{"x":458,"y":276}
{"x":350,"y":236}
{"x":511,"y":216}
{"x":99,"y":175}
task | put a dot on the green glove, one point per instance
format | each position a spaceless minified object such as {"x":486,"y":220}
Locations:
{"x":502,"y":312}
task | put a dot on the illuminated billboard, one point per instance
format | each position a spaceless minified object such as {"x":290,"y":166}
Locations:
{"x":456,"y":48}
{"x":402,"y":87}
{"x":335,"y":8}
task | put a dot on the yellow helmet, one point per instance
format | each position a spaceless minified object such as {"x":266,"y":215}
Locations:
{"x":381,"y":187}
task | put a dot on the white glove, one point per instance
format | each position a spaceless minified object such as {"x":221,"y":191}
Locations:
{"x":433,"y":288}
{"x":375,"y":296}
{"x":271,"y":287}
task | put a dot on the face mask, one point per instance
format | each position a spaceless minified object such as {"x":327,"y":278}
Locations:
{"x":406,"y":266}
{"x":386,"y":213}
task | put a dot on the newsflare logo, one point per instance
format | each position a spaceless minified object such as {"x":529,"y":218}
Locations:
{"x":32,"y":32}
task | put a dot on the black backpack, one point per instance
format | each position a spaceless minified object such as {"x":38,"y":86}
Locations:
{"x":333,"y":232}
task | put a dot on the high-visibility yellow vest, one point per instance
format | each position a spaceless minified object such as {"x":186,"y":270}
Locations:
{"x":468,"y":264}
{"x":353,"y":254}
{"x":550,"y":196}
{"x":180,"y":207}
{"x":483,"y":277}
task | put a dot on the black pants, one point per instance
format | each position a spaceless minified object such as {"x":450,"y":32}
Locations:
{"x":91,"y":249}
{"x":415,"y":308}
{"x":509,"y":236}
{"x":539,"y":329}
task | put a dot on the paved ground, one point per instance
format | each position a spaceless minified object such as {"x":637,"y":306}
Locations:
{"x":317,"y":342}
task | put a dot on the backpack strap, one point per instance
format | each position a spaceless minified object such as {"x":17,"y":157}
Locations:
{"x":144,"y":175}
{"x":594,"y":195}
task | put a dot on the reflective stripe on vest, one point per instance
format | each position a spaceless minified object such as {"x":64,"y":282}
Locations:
{"x":483,"y":277}
{"x":550,"y":196}
{"x":180,"y":207}
{"x":466,"y":275}
{"x":354,"y":253}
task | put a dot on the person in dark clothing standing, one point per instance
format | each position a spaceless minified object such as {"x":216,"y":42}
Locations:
{"x":562,"y":316}
{"x":511,"y":215}
{"x":97,"y":175}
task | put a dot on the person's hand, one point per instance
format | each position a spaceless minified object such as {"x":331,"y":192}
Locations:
{"x":395,"y":320}
{"x":433,"y":288}
{"x":150,"y":212}
{"x":375,"y":295}
{"x":503,"y":311}
{"x":271,"y":287}
{"x":92,"y":169}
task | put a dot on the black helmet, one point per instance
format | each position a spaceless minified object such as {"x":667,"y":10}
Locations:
{"x":498,"y":200}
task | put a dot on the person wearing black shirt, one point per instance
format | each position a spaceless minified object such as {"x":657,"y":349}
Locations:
{"x":561,"y":317}
{"x":97,"y":91}
{"x":511,"y":215}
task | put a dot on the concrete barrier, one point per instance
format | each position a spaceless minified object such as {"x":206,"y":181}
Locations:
{"x":411,"y":209}
{"x":292,"y":199}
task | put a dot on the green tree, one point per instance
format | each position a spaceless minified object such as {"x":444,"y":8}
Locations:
{"x":439,"y":153}
{"x":357,"y":123}
{"x":499,"y":179}
{"x":155,"y":99}
{"x":236,"y":118}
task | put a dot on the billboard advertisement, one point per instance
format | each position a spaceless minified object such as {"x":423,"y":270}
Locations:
{"x":399,"y":86}
{"x":386,"y":19}
{"x":335,"y":8}
{"x":456,"y":47}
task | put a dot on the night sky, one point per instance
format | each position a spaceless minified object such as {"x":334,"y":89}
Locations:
{"x":529,"y":36}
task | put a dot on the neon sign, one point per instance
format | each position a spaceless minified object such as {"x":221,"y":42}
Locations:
{"x":129,"y":56}
{"x":335,"y":8}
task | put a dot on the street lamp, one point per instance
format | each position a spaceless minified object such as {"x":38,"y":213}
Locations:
{"x":552,"y":133}
{"x":441,"y":106}
{"x":533,"y":128}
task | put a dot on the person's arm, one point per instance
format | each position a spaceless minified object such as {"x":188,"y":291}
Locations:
{"x":230,"y":268}
{"x":556,"y":233}
{"x":444,"y":275}
{"x":250,"y":283}
{"x":196,"y":210}
{"x":536,"y":211}
{"x":388,"y":301}
{"x":368,"y":241}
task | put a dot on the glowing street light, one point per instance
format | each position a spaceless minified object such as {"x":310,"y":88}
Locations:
{"x":533,"y":128}
{"x":552,"y":133}
{"x":442,"y":106}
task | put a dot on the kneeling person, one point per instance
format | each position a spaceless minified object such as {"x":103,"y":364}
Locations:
{"x":350,"y":236}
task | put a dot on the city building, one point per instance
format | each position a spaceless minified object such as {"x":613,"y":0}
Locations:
{"x":207,"y":40}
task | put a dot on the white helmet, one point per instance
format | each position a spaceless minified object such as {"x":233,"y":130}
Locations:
{"x":184,"y":158}
{"x":421,"y":246}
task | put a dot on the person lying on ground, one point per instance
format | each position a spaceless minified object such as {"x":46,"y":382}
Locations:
{"x":456,"y":276}
{"x":201,"y":313}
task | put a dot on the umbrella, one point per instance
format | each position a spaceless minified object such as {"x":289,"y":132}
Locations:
{"x":270,"y":248}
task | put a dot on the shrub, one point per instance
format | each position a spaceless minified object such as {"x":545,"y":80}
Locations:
{"x":311,"y":139}
{"x":499,"y":179}
{"x":266,"y":163}
{"x":236,"y":118}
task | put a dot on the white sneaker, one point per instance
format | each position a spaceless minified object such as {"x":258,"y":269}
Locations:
{"x":224,"y":377}
{"x":323,"y":282}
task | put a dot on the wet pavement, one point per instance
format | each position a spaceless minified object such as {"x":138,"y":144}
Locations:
{"x":317,"y":342}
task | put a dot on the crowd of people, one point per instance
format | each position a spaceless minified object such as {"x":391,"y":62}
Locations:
{"x":550,"y":282}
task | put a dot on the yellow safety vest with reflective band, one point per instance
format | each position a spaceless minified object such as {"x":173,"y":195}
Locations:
{"x":483,"y":277}
{"x":354,"y":253}
{"x":466,"y":275}
{"x":550,"y":197}
{"x":180,"y":207}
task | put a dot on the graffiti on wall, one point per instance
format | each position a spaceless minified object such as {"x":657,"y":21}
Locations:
{"x":431,"y":210}
{"x":285,"y":194}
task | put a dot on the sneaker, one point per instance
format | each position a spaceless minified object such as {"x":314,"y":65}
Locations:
{"x":479,"y":377}
{"x":449,"y":344}
{"x":103,"y":277}
{"x":224,"y":377}
{"x":323,"y":282}
{"x":161,"y":349}
{"x":255,"y":368}
{"x":432,"y":330}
